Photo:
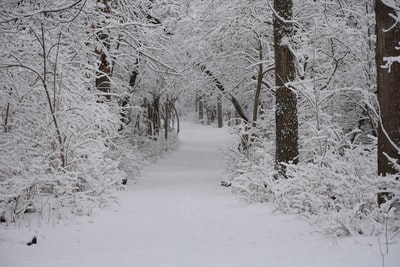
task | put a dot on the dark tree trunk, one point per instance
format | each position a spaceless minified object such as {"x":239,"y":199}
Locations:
{"x":149,"y":117}
{"x":219,"y":112}
{"x":124,"y":101}
{"x":166,"y":119}
{"x":211,"y":115}
{"x":256,"y":103}
{"x":6,"y":126}
{"x":201,"y":112}
{"x":388,"y":82}
{"x":155,"y":116}
{"x":286,"y":99}
{"x":103,"y":74}
{"x":196,"y":107}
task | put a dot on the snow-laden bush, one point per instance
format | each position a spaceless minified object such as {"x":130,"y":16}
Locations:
{"x":30,"y":162}
{"x":337,"y":191}
{"x":334,"y":185}
{"x":246,"y":169}
{"x":30,"y":183}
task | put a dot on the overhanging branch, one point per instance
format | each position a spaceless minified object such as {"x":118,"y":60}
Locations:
{"x":220,"y":86}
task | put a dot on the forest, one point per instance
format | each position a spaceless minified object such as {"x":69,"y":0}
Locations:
{"x":91,"y":91}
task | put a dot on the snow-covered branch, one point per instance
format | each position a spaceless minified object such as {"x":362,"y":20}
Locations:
{"x":389,"y":62}
{"x":395,"y":5}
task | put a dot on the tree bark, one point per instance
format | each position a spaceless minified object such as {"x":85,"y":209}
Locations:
{"x":201,"y":112}
{"x":166,"y":119}
{"x":258,"y":88}
{"x":219,"y":112}
{"x":172,"y":105}
{"x":196,"y":107}
{"x":6,"y":127}
{"x":103,"y":74}
{"x":388,"y":82}
{"x":286,"y":99}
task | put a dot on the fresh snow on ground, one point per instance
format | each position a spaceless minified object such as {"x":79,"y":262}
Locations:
{"x":177,"y":214}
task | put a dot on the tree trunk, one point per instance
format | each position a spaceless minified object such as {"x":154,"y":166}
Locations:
{"x":196,"y":107}
{"x":219,"y":112}
{"x":103,"y":74}
{"x":388,"y":82}
{"x":6,"y":126}
{"x":201,"y":112}
{"x":286,"y":100}
{"x":258,"y":88}
{"x":172,"y":105}
{"x":166,"y":119}
{"x":247,"y":140}
{"x":155,"y":115}
{"x":210,"y":115}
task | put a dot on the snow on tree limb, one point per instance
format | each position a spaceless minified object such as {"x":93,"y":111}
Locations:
{"x":389,"y":61}
{"x":394,"y":4}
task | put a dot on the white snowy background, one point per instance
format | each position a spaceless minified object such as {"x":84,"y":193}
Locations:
{"x":66,"y":147}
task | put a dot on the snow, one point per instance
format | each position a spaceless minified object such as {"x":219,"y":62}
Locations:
{"x":177,"y":214}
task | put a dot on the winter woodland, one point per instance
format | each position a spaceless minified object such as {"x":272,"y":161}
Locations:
{"x":91,"y":91}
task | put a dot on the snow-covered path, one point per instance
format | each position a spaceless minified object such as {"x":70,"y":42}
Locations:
{"x":178,"y":215}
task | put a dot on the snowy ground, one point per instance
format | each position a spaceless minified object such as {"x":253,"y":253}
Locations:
{"x":178,"y":215}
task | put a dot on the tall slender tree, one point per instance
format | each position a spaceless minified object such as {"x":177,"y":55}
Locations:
{"x":286,"y":99}
{"x":388,"y":81}
{"x":103,"y":74}
{"x":219,"y":112}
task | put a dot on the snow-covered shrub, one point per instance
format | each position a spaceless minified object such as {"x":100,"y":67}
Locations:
{"x":55,"y":134}
{"x":242,"y":175}
{"x":336,"y":191}
{"x":30,"y":162}
{"x":98,"y":159}
{"x":246,"y":168}
{"x":335,"y":184}
{"x":339,"y":192}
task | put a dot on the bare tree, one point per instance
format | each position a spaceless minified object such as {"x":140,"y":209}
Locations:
{"x":286,"y":99}
{"x":104,"y":71}
{"x":388,"y":80}
{"x":219,"y":112}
